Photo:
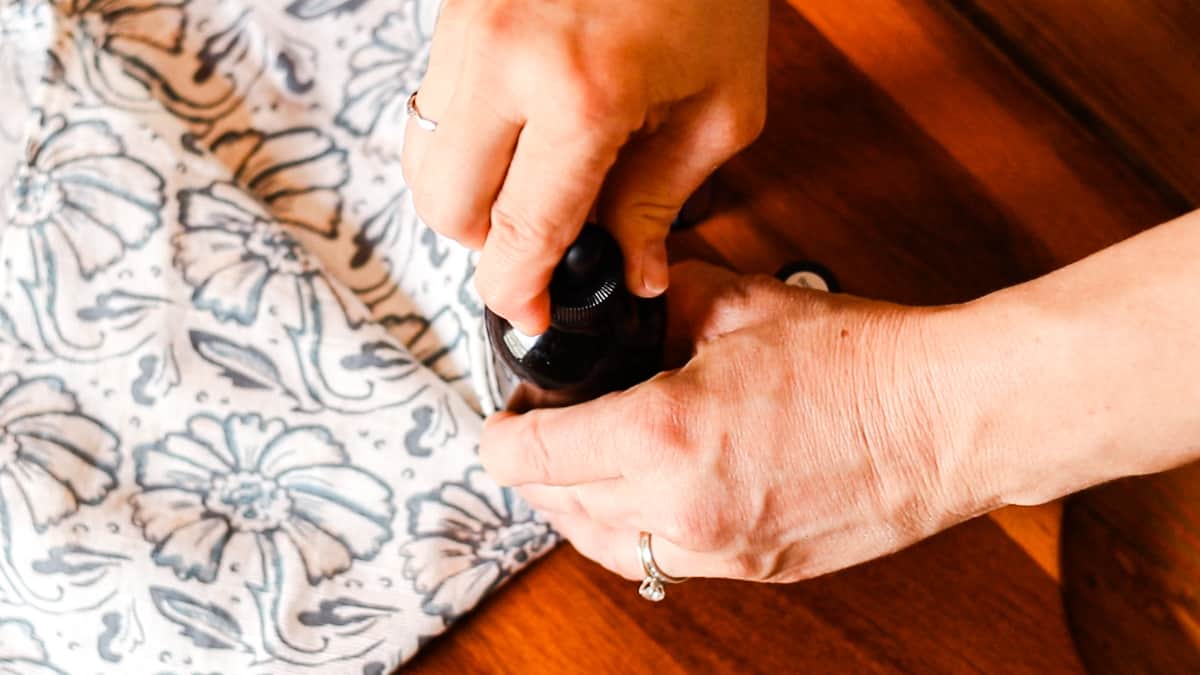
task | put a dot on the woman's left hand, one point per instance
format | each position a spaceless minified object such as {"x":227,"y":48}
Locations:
{"x":807,"y":433}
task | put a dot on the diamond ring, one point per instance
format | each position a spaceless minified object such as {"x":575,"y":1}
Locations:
{"x":652,"y":587}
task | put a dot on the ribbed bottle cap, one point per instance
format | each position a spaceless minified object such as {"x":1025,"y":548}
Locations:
{"x":588,"y":275}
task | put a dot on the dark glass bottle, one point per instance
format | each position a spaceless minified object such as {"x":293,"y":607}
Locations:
{"x":602,"y":338}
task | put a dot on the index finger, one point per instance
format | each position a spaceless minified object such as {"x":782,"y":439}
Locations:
{"x":583,"y":443}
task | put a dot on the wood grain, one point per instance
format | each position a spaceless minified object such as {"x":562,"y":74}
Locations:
{"x":914,"y":156}
{"x":1128,"y":68}
{"x":964,"y":601}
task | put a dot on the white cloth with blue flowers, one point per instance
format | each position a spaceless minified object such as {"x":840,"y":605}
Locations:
{"x":237,"y":422}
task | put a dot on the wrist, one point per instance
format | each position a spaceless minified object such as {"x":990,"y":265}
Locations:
{"x":951,"y":389}
{"x":930,"y":394}
{"x":1026,"y":419}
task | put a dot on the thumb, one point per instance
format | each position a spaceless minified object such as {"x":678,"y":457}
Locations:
{"x":645,"y":191}
{"x":705,"y":302}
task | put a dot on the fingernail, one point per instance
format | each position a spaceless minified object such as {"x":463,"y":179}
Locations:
{"x":533,"y":318}
{"x":528,"y":330}
{"x":530,"y":327}
{"x":654,"y":268}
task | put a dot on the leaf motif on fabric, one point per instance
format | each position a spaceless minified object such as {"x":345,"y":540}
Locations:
{"x":297,"y":62}
{"x":207,"y":625}
{"x":244,"y":366}
{"x":316,"y":9}
{"x":432,"y":428}
{"x":343,"y":612}
{"x":122,"y":634}
{"x":78,"y":561}
{"x":157,"y":375}
{"x":121,"y":306}
{"x":467,"y":296}
{"x":377,"y":354}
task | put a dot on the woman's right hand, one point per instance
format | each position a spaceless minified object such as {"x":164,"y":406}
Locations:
{"x":548,"y":110}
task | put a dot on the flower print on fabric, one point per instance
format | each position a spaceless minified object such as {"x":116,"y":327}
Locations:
{"x":247,"y":268}
{"x":225,"y":445}
{"x":144,"y":56}
{"x":294,"y":174}
{"x":249,"y":477}
{"x":383,"y":73}
{"x":21,"y":651}
{"x":58,"y":457}
{"x":242,"y":236}
{"x":119,"y":40}
{"x":81,"y":206}
{"x":469,"y":536}
{"x":232,"y":254}
{"x":55,"y":459}
{"x":80,"y":197}
{"x":289,"y":501}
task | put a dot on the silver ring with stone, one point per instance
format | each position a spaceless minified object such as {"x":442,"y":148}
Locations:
{"x":652,"y":587}
{"x":415,"y":113}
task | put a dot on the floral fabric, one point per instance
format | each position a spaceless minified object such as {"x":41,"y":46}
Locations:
{"x":239,"y":380}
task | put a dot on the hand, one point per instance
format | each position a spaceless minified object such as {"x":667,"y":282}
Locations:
{"x":550,"y":111}
{"x":805,"y":435}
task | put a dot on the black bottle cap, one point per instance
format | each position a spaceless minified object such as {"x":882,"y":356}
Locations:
{"x":590,"y":273}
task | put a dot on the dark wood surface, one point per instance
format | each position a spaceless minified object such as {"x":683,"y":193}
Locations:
{"x":916,"y":151}
{"x":1128,"y":69}
{"x":1131,"y":574}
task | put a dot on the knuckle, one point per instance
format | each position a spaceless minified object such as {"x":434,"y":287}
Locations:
{"x":597,"y":106}
{"x":751,"y":124}
{"x":741,"y":121}
{"x":455,"y":223}
{"x":496,"y":24}
{"x":537,"y":454}
{"x":694,"y":522}
{"x":751,"y":567}
{"x":575,"y":506}
{"x":760,"y":289}
{"x":652,"y":215}
{"x":675,"y":525}
{"x":521,"y":235}
{"x":750,"y":286}
{"x":661,"y":420}
{"x":593,"y":106}
{"x":745,"y":292}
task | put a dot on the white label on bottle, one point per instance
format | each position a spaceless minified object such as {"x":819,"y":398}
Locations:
{"x":807,"y":279}
{"x":519,"y":343}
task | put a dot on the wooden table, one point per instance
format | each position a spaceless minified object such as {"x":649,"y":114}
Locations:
{"x":928,"y":152}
